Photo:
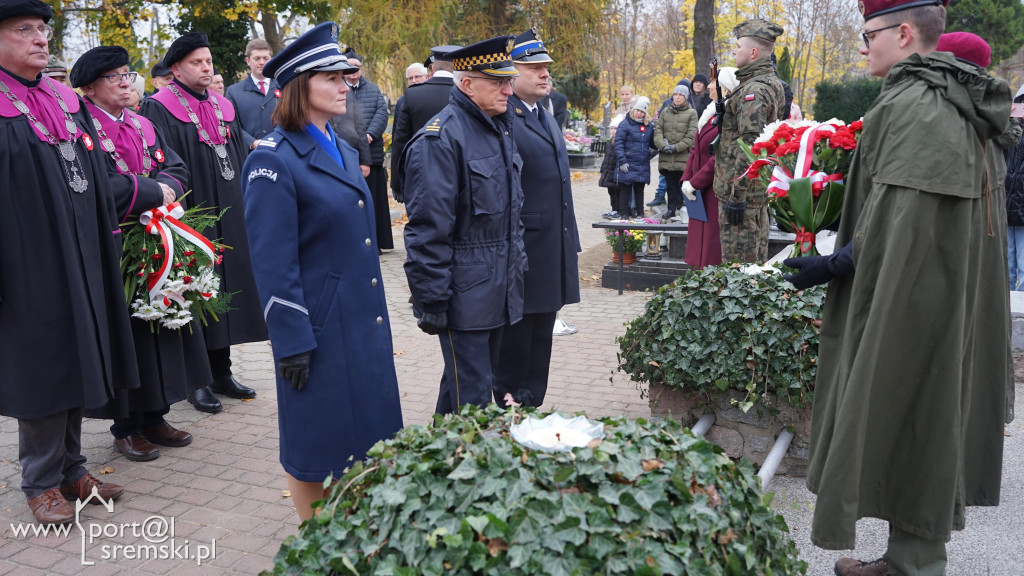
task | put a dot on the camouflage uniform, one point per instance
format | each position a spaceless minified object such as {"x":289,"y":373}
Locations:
{"x":756,"y":102}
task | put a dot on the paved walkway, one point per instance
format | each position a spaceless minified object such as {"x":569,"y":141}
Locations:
{"x":225,"y":491}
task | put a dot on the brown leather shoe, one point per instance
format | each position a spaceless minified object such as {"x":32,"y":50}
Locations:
{"x":851,"y":567}
{"x":166,"y":435}
{"x":82,"y":489}
{"x":136,"y":448}
{"x":51,"y":508}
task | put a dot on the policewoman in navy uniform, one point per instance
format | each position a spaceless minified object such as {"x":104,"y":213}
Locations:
{"x":464,"y":237}
{"x":311,"y":234}
{"x":551,"y":237}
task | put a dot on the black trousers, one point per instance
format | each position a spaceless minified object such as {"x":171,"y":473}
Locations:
{"x":636,"y":191}
{"x":136,"y":421}
{"x":220,"y":362}
{"x":469,"y":361}
{"x":673,"y":189}
{"x":525,"y":359}
{"x":377,"y":182}
{"x":50,"y":451}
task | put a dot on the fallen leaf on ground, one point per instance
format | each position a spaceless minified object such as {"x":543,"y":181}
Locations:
{"x":107,"y":470}
{"x":286,"y":493}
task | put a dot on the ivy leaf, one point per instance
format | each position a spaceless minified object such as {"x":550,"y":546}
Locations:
{"x":465,"y":470}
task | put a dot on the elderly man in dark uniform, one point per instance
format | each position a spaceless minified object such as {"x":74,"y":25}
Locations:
{"x":200,"y":125}
{"x":907,"y":433}
{"x":421,"y":103}
{"x":255,"y":96}
{"x":144,"y":173}
{"x":551,"y":237}
{"x":65,"y":341}
{"x":464,"y":236}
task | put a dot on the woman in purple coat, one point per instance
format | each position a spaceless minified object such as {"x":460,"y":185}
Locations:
{"x":703,"y":241}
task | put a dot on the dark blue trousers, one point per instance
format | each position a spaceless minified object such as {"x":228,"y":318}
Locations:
{"x":469,"y":361}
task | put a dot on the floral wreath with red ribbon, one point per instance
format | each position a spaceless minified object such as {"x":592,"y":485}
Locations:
{"x":803,"y":167}
{"x":168,"y":267}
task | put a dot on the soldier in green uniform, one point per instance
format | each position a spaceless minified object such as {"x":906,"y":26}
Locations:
{"x":757,"y":101}
{"x":906,"y":425}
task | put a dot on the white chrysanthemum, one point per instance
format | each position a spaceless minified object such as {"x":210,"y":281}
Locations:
{"x":176,"y":286}
{"x":146,"y":311}
{"x":177,"y":322}
{"x":769,"y":131}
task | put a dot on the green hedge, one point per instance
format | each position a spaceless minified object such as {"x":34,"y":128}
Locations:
{"x":460,"y":497}
{"x":846,"y":100}
{"x":720,"y":329}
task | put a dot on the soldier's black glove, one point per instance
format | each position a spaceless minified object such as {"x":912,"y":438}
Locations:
{"x":398,"y":196}
{"x":719,"y":112}
{"x":295,"y":369}
{"x":815,"y":270}
{"x":734,"y":212}
{"x":670,"y":149}
{"x":433,"y":323}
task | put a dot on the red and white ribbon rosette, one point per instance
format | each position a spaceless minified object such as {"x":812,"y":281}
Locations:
{"x":164,"y":222}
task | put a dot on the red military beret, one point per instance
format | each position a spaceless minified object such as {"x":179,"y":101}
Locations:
{"x":967,"y":47}
{"x":871,"y":8}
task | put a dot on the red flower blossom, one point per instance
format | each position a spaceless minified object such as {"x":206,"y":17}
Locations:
{"x":141,"y":274}
{"x":186,"y":279}
{"x":219,"y":259}
{"x":856,"y":126}
{"x":157,"y":256}
{"x":189,"y":253}
{"x":176,"y":265}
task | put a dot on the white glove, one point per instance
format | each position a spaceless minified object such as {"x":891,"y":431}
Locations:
{"x":688,"y":191}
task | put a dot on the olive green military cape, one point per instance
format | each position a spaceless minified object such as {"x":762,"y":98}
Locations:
{"x":897,"y":405}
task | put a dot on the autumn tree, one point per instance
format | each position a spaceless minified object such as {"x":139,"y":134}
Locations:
{"x":999,"y":22}
{"x":390,"y":35}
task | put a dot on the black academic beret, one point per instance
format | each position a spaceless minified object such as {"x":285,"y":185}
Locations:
{"x":184,"y":46}
{"x":159,"y":70}
{"x":96,"y":62}
{"x":15,"y":8}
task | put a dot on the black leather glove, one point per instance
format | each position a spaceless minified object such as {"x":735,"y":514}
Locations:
{"x":734,"y":212}
{"x":670,"y":149}
{"x":624,"y":168}
{"x":433,"y":323}
{"x":719,"y":112}
{"x":815,"y":270}
{"x":398,"y":196}
{"x":295,"y":369}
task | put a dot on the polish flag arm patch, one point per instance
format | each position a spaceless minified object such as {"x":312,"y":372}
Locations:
{"x":748,"y":97}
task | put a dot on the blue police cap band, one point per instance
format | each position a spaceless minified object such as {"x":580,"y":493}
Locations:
{"x":530,"y":51}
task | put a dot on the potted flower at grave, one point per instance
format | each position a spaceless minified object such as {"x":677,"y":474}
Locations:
{"x":632,"y":242}
{"x":616,"y":496}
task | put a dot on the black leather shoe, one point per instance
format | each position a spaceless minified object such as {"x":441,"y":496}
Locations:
{"x":204,"y":400}
{"x":228,"y":386}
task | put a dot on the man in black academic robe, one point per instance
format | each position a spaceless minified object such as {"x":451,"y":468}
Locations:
{"x":65,"y":341}
{"x":216,"y":182}
{"x":146,"y":174}
{"x":422,"y":102}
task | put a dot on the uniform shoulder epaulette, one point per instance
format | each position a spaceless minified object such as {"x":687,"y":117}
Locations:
{"x":433,"y":128}
{"x":267,"y":143}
